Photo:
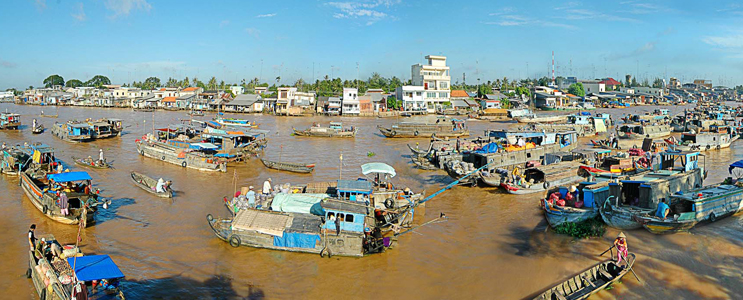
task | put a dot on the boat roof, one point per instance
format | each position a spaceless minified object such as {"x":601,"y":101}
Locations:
{"x":203,"y":146}
{"x":706,"y":192}
{"x":737,"y":164}
{"x":43,"y":148}
{"x":592,"y":150}
{"x":378,"y":167}
{"x":99,"y":123}
{"x":344,"y":206}
{"x":78,"y":125}
{"x":69,"y":176}
{"x":95,"y":267}
{"x":354,"y":186}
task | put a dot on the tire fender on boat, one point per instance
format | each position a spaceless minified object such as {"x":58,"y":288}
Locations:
{"x":162,"y":158}
{"x":389,"y":203}
{"x":209,"y":217}
{"x":712,"y":217}
{"x":183,"y":164}
{"x":45,"y":209}
{"x":235,"y":241}
{"x":141,"y":152}
{"x":708,"y":147}
{"x":546,"y":185}
{"x":415,"y":133}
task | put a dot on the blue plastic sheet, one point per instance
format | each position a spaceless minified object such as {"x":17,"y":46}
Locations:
{"x":489,"y":148}
{"x":296,"y":240}
{"x":737,"y":164}
{"x":69,"y":176}
{"x":95,"y":267}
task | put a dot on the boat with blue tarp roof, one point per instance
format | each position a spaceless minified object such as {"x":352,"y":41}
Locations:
{"x":72,"y":131}
{"x":43,"y":190}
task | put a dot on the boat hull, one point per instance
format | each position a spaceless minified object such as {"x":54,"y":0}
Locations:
{"x":35,"y":196}
{"x":557,"y":216}
{"x":191,"y":161}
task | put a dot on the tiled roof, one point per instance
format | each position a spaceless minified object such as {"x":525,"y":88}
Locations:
{"x":190,"y":89}
{"x":459,"y":94}
{"x":169,"y":99}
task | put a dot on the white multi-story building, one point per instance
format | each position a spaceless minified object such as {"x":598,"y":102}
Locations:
{"x":411,"y":97}
{"x":350,"y":102}
{"x":435,"y":80}
{"x":237,"y":90}
{"x":593,"y":86}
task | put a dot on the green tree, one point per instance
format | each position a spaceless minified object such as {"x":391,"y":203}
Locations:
{"x":151,"y":83}
{"x":185,"y":83}
{"x":221,"y":85}
{"x":98,"y":81}
{"x":172,"y":82}
{"x":520,"y":90}
{"x":53,"y":80}
{"x":658,"y":83}
{"x":73,"y":83}
{"x":392,"y":102}
{"x":577,"y":89}
{"x":212,"y":83}
{"x":484,"y":89}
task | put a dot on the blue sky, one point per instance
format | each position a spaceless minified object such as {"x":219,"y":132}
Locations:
{"x":132,"y":39}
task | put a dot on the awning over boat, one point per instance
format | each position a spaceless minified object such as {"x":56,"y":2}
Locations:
{"x":203,"y":146}
{"x":298,"y":203}
{"x":213,"y":124}
{"x":79,"y":125}
{"x":267,"y":222}
{"x":737,"y":164}
{"x":489,"y":148}
{"x":378,"y":167}
{"x":69,"y":176}
{"x":95,"y":267}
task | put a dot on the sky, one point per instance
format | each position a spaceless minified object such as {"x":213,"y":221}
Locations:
{"x":130,"y":40}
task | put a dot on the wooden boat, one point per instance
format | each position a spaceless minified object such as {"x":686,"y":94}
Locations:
{"x":144,"y":109}
{"x":423,"y":163}
{"x":14,"y":161}
{"x":56,"y":279}
{"x":149,"y":184}
{"x":74,"y":132}
{"x":334,"y":130}
{"x":83,"y":204}
{"x":601,"y":144}
{"x":291,"y":167}
{"x":425,"y":130}
{"x":493,"y":180}
{"x":92,"y":163}
{"x":106,"y":128}
{"x":9,"y":120}
{"x":418,"y":151}
{"x":196,"y":113}
{"x":703,"y":141}
{"x":588,"y":282}
{"x":38,"y":129}
{"x":539,"y":179}
{"x":235,"y":122}
{"x":640,"y":194}
{"x":690,"y":208}
{"x":643,"y":131}
{"x":200,"y":159}
{"x":540,"y":119}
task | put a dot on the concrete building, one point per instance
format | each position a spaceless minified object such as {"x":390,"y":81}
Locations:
{"x":351,"y":105}
{"x":658,"y":92}
{"x":593,"y":86}
{"x":260,"y":90}
{"x":334,"y":106}
{"x":435,"y":80}
{"x":237,"y":90}
{"x":564,"y":83}
{"x":191,"y":91}
{"x":703,"y":83}
{"x":674,"y":83}
{"x":304,"y":99}
{"x":411,"y":97}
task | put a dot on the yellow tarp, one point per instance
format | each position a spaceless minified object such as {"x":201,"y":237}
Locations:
{"x":600,"y":126}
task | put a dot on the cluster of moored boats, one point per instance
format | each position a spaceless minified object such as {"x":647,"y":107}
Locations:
{"x":621,"y":186}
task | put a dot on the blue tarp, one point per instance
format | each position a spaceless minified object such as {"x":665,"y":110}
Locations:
{"x":296,"y":240}
{"x":95,"y":267}
{"x":69,"y":176}
{"x":737,"y":164}
{"x":489,"y":148}
{"x":354,"y":187}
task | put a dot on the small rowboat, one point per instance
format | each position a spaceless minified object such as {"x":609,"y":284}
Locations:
{"x":588,"y":282}
{"x":148,"y":184}
{"x":291,"y":167}
{"x":38,"y":129}
{"x":93,"y":165}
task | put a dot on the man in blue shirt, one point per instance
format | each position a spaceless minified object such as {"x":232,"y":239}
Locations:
{"x":663,"y":209}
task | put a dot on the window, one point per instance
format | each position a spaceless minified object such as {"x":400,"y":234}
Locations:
{"x":430,"y":95}
{"x":419,"y":94}
{"x":443,"y":95}
{"x":349,"y":218}
{"x":331,"y":216}
{"x":341,"y":216}
{"x":444,"y":85}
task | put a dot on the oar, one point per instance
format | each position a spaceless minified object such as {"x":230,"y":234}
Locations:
{"x":607,"y":250}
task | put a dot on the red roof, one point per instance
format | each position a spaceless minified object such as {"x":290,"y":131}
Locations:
{"x":459,"y":94}
{"x":169,"y":99}
{"x":610,"y":81}
{"x":162,"y":89}
{"x":190,"y":89}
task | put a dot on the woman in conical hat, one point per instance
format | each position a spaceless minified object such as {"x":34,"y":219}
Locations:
{"x":621,"y":243}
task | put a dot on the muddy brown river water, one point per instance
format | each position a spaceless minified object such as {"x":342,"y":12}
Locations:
{"x":494,"y":245}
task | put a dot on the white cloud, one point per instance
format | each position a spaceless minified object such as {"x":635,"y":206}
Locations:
{"x":266,"y":15}
{"x":124,"y":7}
{"x":80,"y":15}
{"x":253,"y":32}
{"x":519,"y":20}
{"x":730,"y":41}
{"x":503,"y":11}
{"x":371,"y":11}
{"x":647,"y":47}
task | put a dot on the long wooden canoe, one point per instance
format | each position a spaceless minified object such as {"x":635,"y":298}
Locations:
{"x":148,"y":184}
{"x":84,"y":163}
{"x":588,"y":282}
{"x":291,"y":167}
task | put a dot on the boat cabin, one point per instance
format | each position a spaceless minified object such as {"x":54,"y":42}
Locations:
{"x":344,"y":216}
{"x":78,"y":130}
{"x":79,"y":185}
{"x":42,"y":157}
{"x":336,"y":125}
{"x":538,"y":138}
{"x":698,"y":204}
{"x":102,"y":129}
{"x":10,"y":120}
{"x":354,"y":190}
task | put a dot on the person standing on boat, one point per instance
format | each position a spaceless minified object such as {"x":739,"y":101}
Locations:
{"x":32,"y":236}
{"x":265,"y":192}
{"x":621,"y":243}
{"x":251,"y":197}
{"x":101,"y":159}
{"x":160,"y":188}
{"x":34,"y":125}
{"x":64,"y":205}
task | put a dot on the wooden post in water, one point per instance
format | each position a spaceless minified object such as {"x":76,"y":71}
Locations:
{"x":340,"y":169}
